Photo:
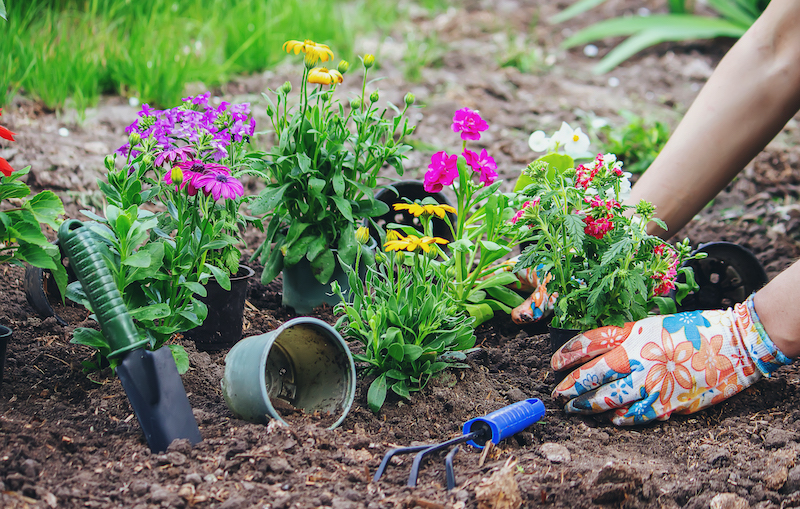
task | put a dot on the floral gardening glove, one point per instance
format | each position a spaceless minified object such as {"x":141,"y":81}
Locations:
{"x":663,"y":364}
{"x":539,"y":304}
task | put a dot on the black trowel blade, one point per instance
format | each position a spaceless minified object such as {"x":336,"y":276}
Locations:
{"x":158,"y":398}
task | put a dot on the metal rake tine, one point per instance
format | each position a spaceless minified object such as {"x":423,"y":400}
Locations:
{"x":394,"y":452}
{"x":448,"y":469}
{"x":412,"y":477}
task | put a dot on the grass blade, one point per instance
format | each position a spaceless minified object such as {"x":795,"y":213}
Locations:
{"x":575,"y":9}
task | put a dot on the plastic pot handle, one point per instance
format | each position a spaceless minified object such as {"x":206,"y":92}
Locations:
{"x":90,"y":268}
{"x":505,"y":422}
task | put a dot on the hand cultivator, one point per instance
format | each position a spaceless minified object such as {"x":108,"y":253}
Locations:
{"x":494,"y":427}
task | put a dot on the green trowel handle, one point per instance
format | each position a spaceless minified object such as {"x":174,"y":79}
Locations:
{"x":79,"y":243}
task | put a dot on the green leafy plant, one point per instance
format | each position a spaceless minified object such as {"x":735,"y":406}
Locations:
{"x":184,"y":163}
{"x":601,"y":266}
{"x":21,"y":219}
{"x":324,"y":169}
{"x":736,"y":16}
{"x":483,"y":233}
{"x":637,"y":143}
{"x":405,"y":317}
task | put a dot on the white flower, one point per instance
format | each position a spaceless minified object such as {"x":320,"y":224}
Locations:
{"x":574,"y":141}
{"x":539,"y":142}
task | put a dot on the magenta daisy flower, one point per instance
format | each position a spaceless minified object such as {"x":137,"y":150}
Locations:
{"x":219,"y":185}
{"x":442,"y":171}
{"x":173,"y":154}
{"x":483,"y":164}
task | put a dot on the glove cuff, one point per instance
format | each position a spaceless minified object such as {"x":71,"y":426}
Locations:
{"x":763,"y":351}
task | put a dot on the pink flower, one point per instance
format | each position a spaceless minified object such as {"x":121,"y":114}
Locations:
{"x":220,"y":185}
{"x":442,"y":171}
{"x":469,"y":123}
{"x":666,"y":279}
{"x":598,"y":227}
{"x":484,"y":164}
{"x":521,"y":212}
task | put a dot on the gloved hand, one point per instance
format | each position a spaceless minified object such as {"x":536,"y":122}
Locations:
{"x":539,"y":304}
{"x":663,"y":364}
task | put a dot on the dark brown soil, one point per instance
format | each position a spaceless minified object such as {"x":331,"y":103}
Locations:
{"x":68,"y":439}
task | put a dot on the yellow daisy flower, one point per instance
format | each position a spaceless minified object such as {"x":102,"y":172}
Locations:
{"x":414,"y":209}
{"x":417,"y":210}
{"x":412,"y":243}
{"x":314,"y":51}
{"x":439,"y":210}
{"x":324,"y":76}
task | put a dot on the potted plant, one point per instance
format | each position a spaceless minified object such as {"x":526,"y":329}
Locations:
{"x":21,"y":236}
{"x":403,"y":314}
{"x":185,"y":162}
{"x":322,"y":174}
{"x":482,"y":229}
{"x":601,"y":265}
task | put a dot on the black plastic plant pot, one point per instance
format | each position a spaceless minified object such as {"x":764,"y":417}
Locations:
{"x":559,"y":337}
{"x":727,"y":276}
{"x":412,"y":190}
{"x":222,"y":328}
{"x":5,"y":337}
{"x":41,"y":290}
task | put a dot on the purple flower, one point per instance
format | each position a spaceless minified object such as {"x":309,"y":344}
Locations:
{"x":199,"y":100}
{"x":469,"y":124}
{"x":442,"y":171}
{"x":484,"y":164}
{"x":220,"y":185}
{"x":173,"y":154}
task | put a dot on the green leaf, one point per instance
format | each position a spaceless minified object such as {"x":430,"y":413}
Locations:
{"x":221,"y":276}
{"x":323,"y":266}
{"x":481,"y":312}
{"x":195,"y":287}
{"x":2,"y":10}
{"x":575,"y":9}
{"x":36,"y":256}
{"x":181,"y":358}
{"x":348,"y":246}
{"x":401,"y":389}
{"x":90,"y":337}
{"x":505,"y":295}
{"x":140,"y":258}
{"x":151,"y":312}
{"x":395,"y":374}
{"x":666,"y":306}
{"x":344,"y":207}
{"x":376,"y":394}
{"x":46,"y":206}
{"x":396,"y":351}
{"x":412,"y":352}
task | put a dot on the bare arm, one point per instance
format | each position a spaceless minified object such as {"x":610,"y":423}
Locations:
{"x":751,"y":95}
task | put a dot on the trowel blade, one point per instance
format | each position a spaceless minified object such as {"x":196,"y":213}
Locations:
{"x":158,"y":398}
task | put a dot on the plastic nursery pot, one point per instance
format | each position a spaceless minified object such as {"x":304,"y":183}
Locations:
{"x":5,"y":337}
{"x":413,"y":190}
{"x":222,"y":328}
{"x":41,"y":290}
{"x":559,"y":337}
{"x":304,"y":364}
{"x":727,"y":276}
{"x":303,"y":292}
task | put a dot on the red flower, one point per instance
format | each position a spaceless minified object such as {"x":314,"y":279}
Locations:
{"x":5,"y":168}
{"x":5,"y":133}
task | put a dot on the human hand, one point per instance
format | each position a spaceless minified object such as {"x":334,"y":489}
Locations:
{"x":678,"y":363}
{"x":540,"y":303}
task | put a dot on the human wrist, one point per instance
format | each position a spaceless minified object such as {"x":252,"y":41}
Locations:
{"x":765,"y":352}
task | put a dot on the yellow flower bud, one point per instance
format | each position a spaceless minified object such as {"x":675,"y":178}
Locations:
{"x":147,"y":160}
{"x":286,"y":88}
{"x":409,"y":99}
{"x":109,"y":162}
{"x":355,"y":103}
{"x":177,"y":175}
{"x":134,"y":139}
{"x":374,"y":96}
{"x":344,"y":65}
{"x":401,"y":256}
{"x":362,"y":235}
{"x":369,"y":60}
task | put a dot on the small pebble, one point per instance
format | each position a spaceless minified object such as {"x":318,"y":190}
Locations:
{"x":133,"y":102}
{"x":590,"y":50}
{"x":613,"y":82}
{"x":63,"y":131}
{"x":554,"y":452}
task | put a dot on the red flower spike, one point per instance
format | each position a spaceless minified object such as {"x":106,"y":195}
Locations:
{"x":5,"y":133}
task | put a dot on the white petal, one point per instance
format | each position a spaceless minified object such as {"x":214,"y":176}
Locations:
{"x":577,"y":145}
{"x":539,"y":142}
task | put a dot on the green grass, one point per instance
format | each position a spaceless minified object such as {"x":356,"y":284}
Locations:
{"x":60,"y":50}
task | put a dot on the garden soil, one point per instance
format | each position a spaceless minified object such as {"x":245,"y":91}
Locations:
{"x":69,"y":439}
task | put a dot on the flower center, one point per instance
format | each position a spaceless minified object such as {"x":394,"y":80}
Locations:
{"x":198,"y":167}
{"x":221,"y":177}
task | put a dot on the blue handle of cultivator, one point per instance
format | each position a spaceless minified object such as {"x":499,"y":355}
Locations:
{"x":505,"y":422}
